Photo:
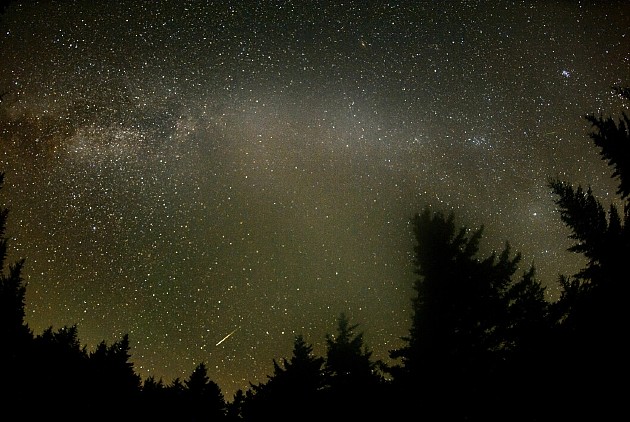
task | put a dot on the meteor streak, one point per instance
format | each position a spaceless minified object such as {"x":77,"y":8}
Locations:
{"x":226,"y":337}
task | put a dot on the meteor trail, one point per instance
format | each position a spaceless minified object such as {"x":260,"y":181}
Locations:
{"x":226,"y":337}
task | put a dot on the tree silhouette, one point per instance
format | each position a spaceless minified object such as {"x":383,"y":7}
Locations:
{"x":179,"y":400}
{"x":296,"y":385}
{"x":591,"y":309}
{"x":613,"y":140}
{"x":176,"y":392}
{"x":355,"y":384}
{"x":62,"y":366}
{"x":203,"y":397}
{"x":467,"y":319}
{"x":13,"y":330}
{"x":112,"y":376}
{"x":347,"y":359}
{"x":15,"y":335}
{"x":234,"y":408}
{"x":154,"y":399}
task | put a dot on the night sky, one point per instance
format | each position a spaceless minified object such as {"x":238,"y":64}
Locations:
{"x":183,"y":171}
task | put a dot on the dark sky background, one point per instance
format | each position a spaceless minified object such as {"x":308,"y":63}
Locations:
{"x":178,"y":170}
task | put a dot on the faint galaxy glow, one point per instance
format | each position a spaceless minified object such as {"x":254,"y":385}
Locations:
{"x":181,"y":170}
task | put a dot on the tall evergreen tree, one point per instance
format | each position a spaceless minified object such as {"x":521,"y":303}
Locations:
{"x":613,"y":140}
{"x":16,"y":371}
{"x":14,"y":331}
{"x":62,"y":366}
{"x":113,"y":376}
{"x":465,"y":318}
{"x":348,"y":360}
{"x":355,"y":384}
{"x":234,"y":408}
{"x":296,"y":385}
{"x":455,"y":310}
{"x":593,"y":298}
{"x":592,"y":307}
{"x":203,"y":399}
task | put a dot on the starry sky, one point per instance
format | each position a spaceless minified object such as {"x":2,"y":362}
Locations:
{"x":183,"y":171}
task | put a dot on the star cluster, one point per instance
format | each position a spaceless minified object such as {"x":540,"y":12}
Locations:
{"x":179,"y":170}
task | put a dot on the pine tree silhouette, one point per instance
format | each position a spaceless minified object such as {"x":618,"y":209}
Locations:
{"x":356,"y":388}
{"x":203,"y":397}
{"x":468,"y":316}
{"x":591,"y":309}
{"x":15,"y":335}
{"x":294,"y":387}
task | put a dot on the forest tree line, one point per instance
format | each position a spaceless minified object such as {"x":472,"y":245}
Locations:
{"x":484,"y":343}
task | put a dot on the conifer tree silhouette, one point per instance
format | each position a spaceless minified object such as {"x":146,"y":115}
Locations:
{"x":14,"y":331}
{"x":15,"y":335}
{"x":203,"y":397}
{"x":467,"y":319}
{"x":294,"y":387}
{"x":113,"y":378}
{"x":591,"y":310}
{"x":356,"y":388}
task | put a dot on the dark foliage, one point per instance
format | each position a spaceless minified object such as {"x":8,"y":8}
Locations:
{"x":472,"y":320}
{"x":591,"y":310}
{"x":296,"y":385}
{"x":355,"y":387}
{"x":613,"y":139}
